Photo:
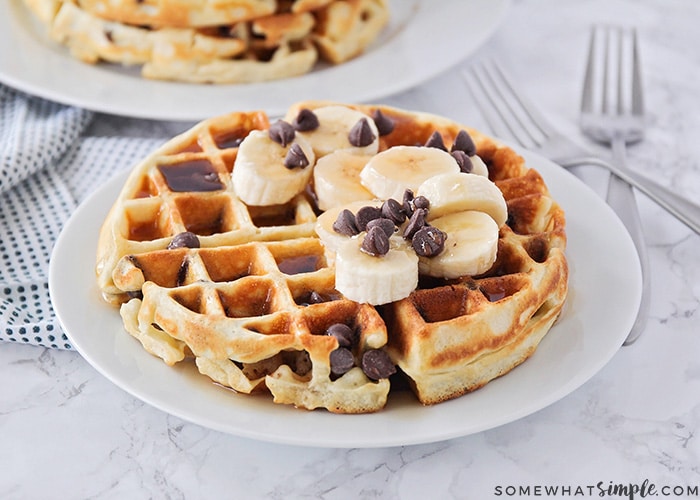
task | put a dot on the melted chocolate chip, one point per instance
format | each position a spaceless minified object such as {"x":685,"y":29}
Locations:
{"x":341,"y":360}
{"x":345,"y":224}
{"x":295,"y":157}
{"x":393,"y":210}
{"x":184,"y":240}
{"x":415,"y":223}
{"x":377,"y":365}
{"x":361,"y":134}
{"x":464,"y":142}
{"x":386,"y":225}
{"x":305,"y":121}
{"x":428,"y":241}
{"x":281,"y":132}
{"x":376,"y":242}
{"x":464,"y":162}
{"x":366,"y":214}
{"x":435,"y":141}
{"x":385,"y":125}
{"x":345,"y":335}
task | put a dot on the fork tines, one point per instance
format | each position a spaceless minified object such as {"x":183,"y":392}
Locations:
{"x":507,"y":112}
{"x":613,"y":58}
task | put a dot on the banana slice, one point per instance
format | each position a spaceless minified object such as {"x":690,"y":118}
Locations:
{"x":478,"y":166}
{"x":342,"y":128}
{"x":470,"y":248}
{"x":375,"y":280}
{"x":389,"y":173}
{"x":337,"y":179}
{"x":259,"y":173}
{"x":458,"y":192}
{"x":331,"y":239}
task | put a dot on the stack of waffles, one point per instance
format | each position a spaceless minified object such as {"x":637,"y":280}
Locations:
{"x":214,"y":41}
{"x":325,"y":257}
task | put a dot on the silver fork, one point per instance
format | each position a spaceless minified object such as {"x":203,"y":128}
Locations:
{"x":510,"y":114}
{"x":612,"y":112}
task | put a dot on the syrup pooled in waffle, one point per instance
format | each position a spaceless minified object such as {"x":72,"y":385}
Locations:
{"x":250,"y":292}
{"x":232,"y":41}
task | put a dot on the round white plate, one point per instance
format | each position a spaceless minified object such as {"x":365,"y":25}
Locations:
{"x":424,"y":38}
{"x":591,"y":329}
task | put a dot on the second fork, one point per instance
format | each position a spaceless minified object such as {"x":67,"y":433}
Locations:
{"x":612,"y":112}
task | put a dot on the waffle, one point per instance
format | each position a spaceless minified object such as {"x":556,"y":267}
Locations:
{"x":254,"y":301}
{"x":267,"y":41}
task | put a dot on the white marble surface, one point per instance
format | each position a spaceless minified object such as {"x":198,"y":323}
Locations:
{"x":66,"y":432}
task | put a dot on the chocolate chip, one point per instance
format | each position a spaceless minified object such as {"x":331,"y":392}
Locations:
{"x":377,"y":365}
{"x":393,"y":210}
{"x":361,"y":134}
{"x":345,"y":335}
{"x":464,"y":162}
{"x":408,"y":202}
{"x":435,"y":141}
{"x":341,"y":360}
{"x":428,"y":241}
{"x":464,"y":142}
{"x":182,"y":272}
{"x":184,"y":240}
{"x":421,"y":202}
{"x":281,"y":132}
{"x":415,"y":223}
{"x":366,"y":214}
{"x":345,"y":223}
{"x":316,"y":298}
{"x":385,"y":125}
{"x":305,"y":121}
{"x":376,"y":242}
{"x":295,"y":157}
{"x":386,"y":225}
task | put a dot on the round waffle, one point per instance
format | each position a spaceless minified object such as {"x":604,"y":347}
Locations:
{"x":254,"y":301}
{"x":269,"y":42}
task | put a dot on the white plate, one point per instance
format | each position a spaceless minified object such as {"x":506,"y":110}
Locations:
{"x":424,"y":38}
{"x":605,"y":289}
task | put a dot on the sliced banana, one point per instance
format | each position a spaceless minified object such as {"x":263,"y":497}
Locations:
{"x":336,"y":126}
{"x":389,"y":173}
{"x":337,"y":179}
{"x":458,"y":192}
{"x":331,"y":239}
{"x":375,"y":280}
{"x":470,"y":248}
{"x":259,"y":174}
{"x":478,"y":166}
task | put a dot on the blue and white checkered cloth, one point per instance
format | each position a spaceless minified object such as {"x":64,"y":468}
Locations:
{"x":47,"y":167}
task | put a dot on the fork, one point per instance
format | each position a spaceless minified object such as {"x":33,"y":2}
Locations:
{"x":510,"y":114}
{"x":615,"y":117}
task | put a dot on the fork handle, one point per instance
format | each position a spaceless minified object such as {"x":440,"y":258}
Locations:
{"x":683,"y":209}
{"x":622,"y":200}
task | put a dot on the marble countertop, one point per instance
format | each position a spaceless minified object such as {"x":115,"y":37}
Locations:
{"x":67,"y":432}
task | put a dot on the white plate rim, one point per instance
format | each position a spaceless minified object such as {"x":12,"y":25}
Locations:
{"x":398,"y":60}
{"x":586,"y":337}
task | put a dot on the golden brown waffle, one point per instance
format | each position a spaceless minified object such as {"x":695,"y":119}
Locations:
{"x":266,"y":41}
{"x":252,"y":304}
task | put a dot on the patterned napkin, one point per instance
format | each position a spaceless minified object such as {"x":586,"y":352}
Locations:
{"x":47,"y":167}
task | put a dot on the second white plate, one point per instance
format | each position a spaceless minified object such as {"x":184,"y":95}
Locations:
{"x":589,"y":332}
{"x":424,"y":38}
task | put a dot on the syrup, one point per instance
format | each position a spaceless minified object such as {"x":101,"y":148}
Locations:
{"x":195,"y":175}
{"x":299,"y":265}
